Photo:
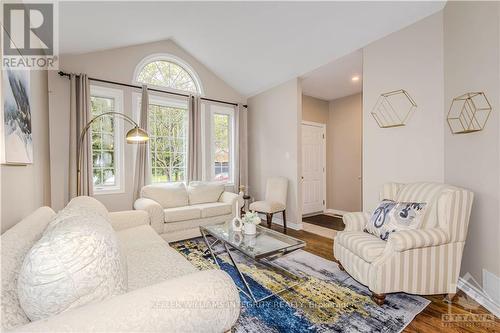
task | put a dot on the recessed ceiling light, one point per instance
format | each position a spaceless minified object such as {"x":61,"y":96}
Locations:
{"x":355,"y":78}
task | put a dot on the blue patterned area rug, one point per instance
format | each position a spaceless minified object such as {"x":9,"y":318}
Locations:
{"x":328,"y":300}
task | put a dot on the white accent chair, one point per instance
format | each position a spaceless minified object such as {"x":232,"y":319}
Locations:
{"x":275,"y":200}
{"x":424,"y":261}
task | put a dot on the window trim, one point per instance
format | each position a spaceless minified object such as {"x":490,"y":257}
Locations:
{"x":211,"y":146}
{"x":171,"y":58}
{"x":164,"y":101}
{"x":117,"y":95}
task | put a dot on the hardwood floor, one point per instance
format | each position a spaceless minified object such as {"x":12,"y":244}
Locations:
{"x":326,"y":221}
{"x":429,"y":320}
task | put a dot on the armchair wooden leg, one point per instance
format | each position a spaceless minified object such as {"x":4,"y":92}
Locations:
{"x":284,"y":221}
{"x":378,"y":298}
{"x":449,"y":298}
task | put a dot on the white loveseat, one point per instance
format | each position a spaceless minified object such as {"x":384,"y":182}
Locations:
{"x":165,"y":292}
{"x":177,"y":211}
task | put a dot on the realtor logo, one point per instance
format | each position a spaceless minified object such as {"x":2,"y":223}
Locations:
{"x":465,"y":311}
{"x":28,"y":35}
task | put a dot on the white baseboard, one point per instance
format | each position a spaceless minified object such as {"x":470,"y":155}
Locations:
{"x":474,"y":291}
{"x":335,"y":212}
{"x":491,"y":285}
{"x":321,"y":231}
{"x":277,"y":219}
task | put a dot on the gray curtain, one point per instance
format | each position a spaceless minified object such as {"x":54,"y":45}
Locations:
{"x":241,"y":158}
{"x":142,"y":175}
{"x":79,"y":117}
{"x":194,"y":139}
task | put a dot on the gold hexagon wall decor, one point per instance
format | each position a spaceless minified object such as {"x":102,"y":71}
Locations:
{"x":469,"y":113}
{"x":393,"y":109}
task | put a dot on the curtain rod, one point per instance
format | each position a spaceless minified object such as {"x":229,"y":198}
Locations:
{"x":61,"y":73}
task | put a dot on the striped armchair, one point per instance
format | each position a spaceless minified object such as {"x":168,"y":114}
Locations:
{"x":424,"y":261}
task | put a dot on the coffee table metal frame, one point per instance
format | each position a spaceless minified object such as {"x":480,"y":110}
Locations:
{"x":266,"y":259}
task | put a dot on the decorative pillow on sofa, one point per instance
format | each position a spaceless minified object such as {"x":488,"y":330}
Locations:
{"x":75,"y":262}
{"x":391,"y":216}
{"x":167,"y":195}
{"x":204,"y":192}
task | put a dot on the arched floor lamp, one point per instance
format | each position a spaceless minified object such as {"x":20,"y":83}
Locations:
{"x":136,"y":135}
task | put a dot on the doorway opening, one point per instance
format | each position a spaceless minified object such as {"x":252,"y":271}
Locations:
{"x":332,"y":144}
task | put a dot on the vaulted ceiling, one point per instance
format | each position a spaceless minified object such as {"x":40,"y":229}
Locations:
{"x":253,"y":46}
{"x":335,"y":79}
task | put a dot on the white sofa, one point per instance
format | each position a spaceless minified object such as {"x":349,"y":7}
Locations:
{"x":177,"y":211}
{"x":165,"y":292}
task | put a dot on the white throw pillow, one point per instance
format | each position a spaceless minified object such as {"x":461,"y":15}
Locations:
{"x":204,"y":192}
{"x":167,"y":195}
{"x":77,"y":261}
{"x":391,"y":216}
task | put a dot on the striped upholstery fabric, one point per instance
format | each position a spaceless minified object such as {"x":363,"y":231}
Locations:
{"x":362,"y":243}
{"x":428,"y":193}
{"x":453,"y":214}
{"x":422,"y":271}
{"x":355,"y":221}
{"x":425,"y":261}
{"x":390,"y":191}
{"x":413,"y":239}
{"x":353,"y":264}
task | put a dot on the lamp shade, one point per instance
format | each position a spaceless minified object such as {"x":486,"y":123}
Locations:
{"x":137,"y":135}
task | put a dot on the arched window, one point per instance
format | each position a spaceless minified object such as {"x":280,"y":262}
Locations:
{"x":167,"y":71}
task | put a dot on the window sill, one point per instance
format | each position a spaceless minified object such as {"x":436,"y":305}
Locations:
{"x":108,"y":191}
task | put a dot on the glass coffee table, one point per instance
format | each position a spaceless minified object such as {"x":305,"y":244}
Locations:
{"x":263,"y":247}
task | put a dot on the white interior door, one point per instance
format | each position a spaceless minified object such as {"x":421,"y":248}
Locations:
{"x":313,"y":168}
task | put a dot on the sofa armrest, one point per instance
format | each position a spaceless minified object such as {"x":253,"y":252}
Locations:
{"x":355,"y":221}
{"x":231,"y":198}
{"x":413,"y":239}
{"x":128,"y":219}
{"x":155,"y":211}
{"x":205,"y":301}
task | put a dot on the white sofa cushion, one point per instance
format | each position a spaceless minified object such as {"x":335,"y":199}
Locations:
{"x":77,"y":261}
{"x":182,"y":214}
{"x":167,"y":195}
{"x":16,"y":242}
{"x":267,"y":206}
{"x":204,"y":192}
{"x":150,"y":259}
{"x":213,"y":209}
{"x":90,"y":203}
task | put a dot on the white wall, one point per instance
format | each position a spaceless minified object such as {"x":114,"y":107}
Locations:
{"x":411,"y":59}
{"x":448,"y":54}
{"x":25,"y":188}
{"x":314,"y":109}
{"x":274,"y":131}
{"x":115,"y":65}
{"x":472,"y":63}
